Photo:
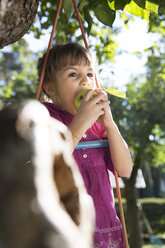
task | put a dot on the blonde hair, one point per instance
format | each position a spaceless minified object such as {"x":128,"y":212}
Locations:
{"x":61,"y":56}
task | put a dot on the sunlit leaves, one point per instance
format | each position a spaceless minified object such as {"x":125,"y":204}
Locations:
{"x":7,"y":91}
{"x":141,"y":117}
{"x":103,"y":43}
{"x":89,"y":10}
{"x":116,"y":93}
{"x":151,"y":6}
{"x":118,"y":4}
{"x":134,"y":9}
{"x":139,"y":8}
{"x":159,"y":159}
{"x":148,"y":5}
{"x":156,"y":23}
{"x":158,"y":146}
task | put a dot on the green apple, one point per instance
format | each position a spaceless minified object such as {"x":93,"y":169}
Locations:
{"x":79,"y":97}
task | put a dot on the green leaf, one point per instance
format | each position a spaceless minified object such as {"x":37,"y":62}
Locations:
{"x":136,"y":52}
{"x":88,"y":19}
{"x":103,"y":13}
{"x":68,"y":8}
{"x":134,"y":9}
{"x":7,"y":91}
{"x":152,"y":6}
{"x":148,"y":5}
{"x":81,"y":6}
{"x":111,"y":4}
{"x":115,"y":92}
{"x":118,"y":4}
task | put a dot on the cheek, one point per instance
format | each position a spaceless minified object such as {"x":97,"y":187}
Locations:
{"x":93,"y":81}
{"x":68,"y":95}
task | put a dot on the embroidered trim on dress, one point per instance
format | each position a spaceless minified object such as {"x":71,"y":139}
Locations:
{"x":108,"y":229}
{"x":110,"y":243}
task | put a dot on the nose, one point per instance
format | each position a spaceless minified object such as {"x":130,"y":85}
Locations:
{"x":86,"y":82}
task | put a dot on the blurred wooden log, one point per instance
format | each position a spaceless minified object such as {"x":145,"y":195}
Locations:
{"x":51,"y":187}
{"x":16,"y":17}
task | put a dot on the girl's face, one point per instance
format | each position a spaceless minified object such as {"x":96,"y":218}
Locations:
{"x":70,"y":80}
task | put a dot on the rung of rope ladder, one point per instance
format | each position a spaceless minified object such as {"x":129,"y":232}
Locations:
{"x":92,"y":144}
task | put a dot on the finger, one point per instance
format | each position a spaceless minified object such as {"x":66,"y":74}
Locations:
{"x":98,"y":98}
{"x":88,"y":95}
{"x":103,"y":105}
{"x":101,"y":91}
{"x":101,"y":112}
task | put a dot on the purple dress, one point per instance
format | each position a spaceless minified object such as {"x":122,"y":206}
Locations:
{"x":93,"y":164}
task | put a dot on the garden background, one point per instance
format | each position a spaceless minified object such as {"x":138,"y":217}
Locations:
{"x":140,"y":117}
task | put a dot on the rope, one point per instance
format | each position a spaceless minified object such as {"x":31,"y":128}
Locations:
{"x":81,"y":26}
{"x":83,"y":34}
{"x":97,"y":85}
{"x":121,"y":209}
{"x":48,"y":50}
{"x":116,"y":175}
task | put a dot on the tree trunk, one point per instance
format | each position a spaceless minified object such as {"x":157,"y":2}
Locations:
{"x":51,"y":185}
{"x":133,"y":214}
{"x":16,"y":17}
{"x":133,"y":223}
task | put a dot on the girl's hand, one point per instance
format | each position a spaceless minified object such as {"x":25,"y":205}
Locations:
{"x":91,"y":109}
{"x":106,"y":119}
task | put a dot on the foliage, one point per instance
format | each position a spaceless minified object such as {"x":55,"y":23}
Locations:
{"x":150,"y":206}
{"x":157,"y":221}
{"x":141,"y":121}
{"x":140,"y":117}
{"x":100,"y":37}
{"x":97,"y":18}
{"x":153,"y":246}
{"x":104,"y":11}
{"x":18,"y":73}
{"x":157,"y":21}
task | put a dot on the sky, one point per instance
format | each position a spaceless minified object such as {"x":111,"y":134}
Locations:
{"x":134,"y":38}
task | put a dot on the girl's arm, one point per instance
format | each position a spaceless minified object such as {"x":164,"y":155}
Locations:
{"x":89,"y":111}
{"x":119,"y":151}
{"x":77,"y":128}
{"x":98,"y":109}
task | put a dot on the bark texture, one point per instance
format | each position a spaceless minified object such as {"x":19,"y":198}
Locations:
{"x":50,"y":185}
{"x":16,"y":17}
{"x":133,"y":215}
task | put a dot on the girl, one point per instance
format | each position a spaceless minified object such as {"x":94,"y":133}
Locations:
{"x":69,"y":70}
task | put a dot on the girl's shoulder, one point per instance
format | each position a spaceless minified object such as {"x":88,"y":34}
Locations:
{"x":50,"y":105}
{"x":54,"y":111}
{"x":58,"y":114}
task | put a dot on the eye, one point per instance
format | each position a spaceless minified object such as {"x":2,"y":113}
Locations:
{"x":73,"y":74}
{"x":90,"y":74}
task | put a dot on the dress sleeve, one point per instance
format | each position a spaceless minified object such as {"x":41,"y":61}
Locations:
{"x":100,"y":132}
{"x":108,"y":160}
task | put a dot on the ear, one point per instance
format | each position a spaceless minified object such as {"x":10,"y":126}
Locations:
{"x":49,"y":89}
